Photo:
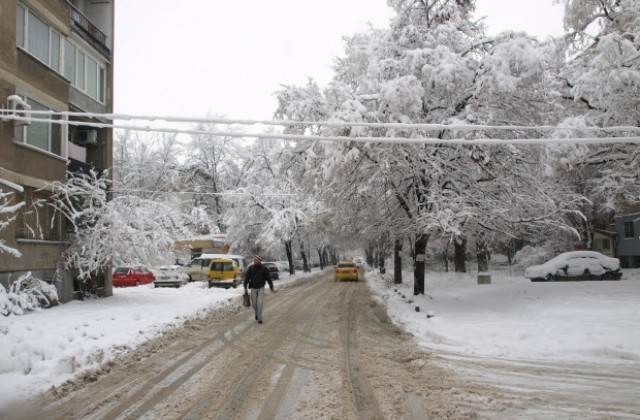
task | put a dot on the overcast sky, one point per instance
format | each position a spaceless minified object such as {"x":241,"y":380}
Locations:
{"x":227,"y":57}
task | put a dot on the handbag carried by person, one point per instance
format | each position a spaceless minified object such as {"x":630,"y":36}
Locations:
{"x":246,"y":299}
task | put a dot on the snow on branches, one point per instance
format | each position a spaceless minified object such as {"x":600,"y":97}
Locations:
{"x":8,"y":209}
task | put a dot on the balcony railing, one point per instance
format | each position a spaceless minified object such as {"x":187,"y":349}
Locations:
{"x":76,"y":167}
{"x":97,"y":38}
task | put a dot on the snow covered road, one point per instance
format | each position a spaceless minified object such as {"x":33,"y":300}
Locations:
{"x":329,"y":351}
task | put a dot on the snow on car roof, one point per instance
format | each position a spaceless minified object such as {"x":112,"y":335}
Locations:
{"x":578,"y":254}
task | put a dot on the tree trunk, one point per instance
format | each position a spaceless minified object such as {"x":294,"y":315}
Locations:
{"x":320,"y":259}
{"x":419,"y":262}
{"x":305,"y":261}
{"x":334,"y":257}
{"x":459,"y":251}
{"x":289,"y":250}
{"x":397,"y":262}
{"x":369,"y":255}
{"x":482,"y":256}
{"x":445,"y":257}
{"x":381,"y":261}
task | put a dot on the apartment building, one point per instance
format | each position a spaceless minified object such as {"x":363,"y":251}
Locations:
{"x":55,"y":55}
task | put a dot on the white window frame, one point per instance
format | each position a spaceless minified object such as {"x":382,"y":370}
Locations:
{"x":80,"y":77}
{"x":23,"y":36}
{"x":22,"y":132}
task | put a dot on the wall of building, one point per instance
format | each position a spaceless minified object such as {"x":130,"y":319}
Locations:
{"x":628,"y":249}
{"x":29,"y":167}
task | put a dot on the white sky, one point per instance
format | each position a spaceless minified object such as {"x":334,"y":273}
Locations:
{"x":227,"y":58}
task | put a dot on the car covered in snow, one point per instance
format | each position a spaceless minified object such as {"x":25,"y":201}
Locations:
{"x":170,"y":276}
{"x":576,"y":265}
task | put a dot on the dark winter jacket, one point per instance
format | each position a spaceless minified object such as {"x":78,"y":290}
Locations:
{"x":256,"y":277}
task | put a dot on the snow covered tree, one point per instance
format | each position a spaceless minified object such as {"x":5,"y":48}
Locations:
{"x":212,"y":166}
{"x":601,"y":85}
{"x":137,"y":218}
{"x":434,"y":65}
{"x":267,"y":212}
{"x":8,"y":209}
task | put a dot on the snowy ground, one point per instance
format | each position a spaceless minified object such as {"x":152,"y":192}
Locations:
{"x":513,"y":318}
{"x":510,"y":318}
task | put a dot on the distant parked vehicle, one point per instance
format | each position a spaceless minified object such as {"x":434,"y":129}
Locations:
{"x":127,"y":276}
{"x":576,"y":265}
{"x":283,"y":266}
{"x":171,"y":276}
{"x":224,"y":272}
{"x":274,"y":270}
{"x":198,"y":268}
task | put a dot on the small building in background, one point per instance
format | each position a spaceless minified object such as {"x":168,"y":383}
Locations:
{"x":628,"y":238}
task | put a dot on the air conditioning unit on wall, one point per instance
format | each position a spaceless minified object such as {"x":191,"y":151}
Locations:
{"x":15,"y":104}
{"x":84,"y":136}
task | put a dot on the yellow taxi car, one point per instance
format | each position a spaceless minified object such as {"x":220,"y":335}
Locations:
{"x":346,"y":270}
{"x":224,"y":272}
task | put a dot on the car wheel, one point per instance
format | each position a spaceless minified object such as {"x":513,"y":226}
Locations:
{"x":550,"y":278}
{"x":190,"y":279}
{"x":137,"y":283}
{"x":607,"y":276}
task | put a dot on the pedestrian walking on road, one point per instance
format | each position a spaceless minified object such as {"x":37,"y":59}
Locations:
{"x":256,"y":278}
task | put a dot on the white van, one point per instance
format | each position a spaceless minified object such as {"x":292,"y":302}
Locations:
{"x":198,"y":268}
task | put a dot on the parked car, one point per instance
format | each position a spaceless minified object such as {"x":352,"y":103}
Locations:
{"x":274,"y":270}
{"x":359,"y":261}
{"x":576,"y":265}
{"x":170,"y":276}
{"x":346,"y":270}
{"x":126,"y":276}
{"x":283,"y":266}
{"x":198,"y":268}
{"x":224,"y":272}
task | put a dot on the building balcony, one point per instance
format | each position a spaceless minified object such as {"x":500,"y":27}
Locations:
{"x":92,"y":34}
{"x":77,"y":167}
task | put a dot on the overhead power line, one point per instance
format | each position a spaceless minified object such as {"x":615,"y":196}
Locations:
{"x":336,"y":124}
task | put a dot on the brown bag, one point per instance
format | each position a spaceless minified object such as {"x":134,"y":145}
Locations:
{"x":246,"y":299}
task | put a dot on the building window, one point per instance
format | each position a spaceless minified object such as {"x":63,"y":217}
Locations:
{"x":38,"y":219}
{"x":69,"y":61}
{"x":41,"y":41}
{"x":37,"y":38}
{"x":628,"y":230}
{"x":20,"y":26}
{"x":42,"y":135}
{"x":54,"y":59}
{"x":602,"y":244}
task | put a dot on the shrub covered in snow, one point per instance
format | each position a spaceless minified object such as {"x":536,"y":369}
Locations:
{"x":27,"y":294}
{"x":532,"y":255}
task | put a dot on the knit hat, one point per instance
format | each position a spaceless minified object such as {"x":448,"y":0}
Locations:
{"x":257,"y":257}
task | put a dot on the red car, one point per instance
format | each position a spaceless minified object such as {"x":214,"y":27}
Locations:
{"x":132,"y":276}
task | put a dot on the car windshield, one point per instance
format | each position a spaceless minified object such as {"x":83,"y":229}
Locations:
{"x":122,"y":270}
